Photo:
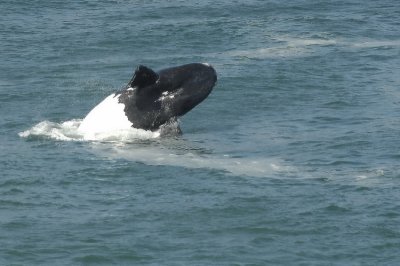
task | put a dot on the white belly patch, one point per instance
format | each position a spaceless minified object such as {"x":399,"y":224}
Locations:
{"x":107,"y":116}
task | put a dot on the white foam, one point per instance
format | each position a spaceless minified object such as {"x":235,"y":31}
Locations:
{"x":70,"y":131}
{"x":289,"y":47}
{"x":65,"y":131}
{"x":164,"y":156}
{"x":376,"y":44}
{"x":308,"y":42}
{"x":263,"y":53}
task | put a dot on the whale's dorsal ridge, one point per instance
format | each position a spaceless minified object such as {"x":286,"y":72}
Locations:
{"x":143,"y":77}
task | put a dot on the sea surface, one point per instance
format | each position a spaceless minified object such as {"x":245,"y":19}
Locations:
{"x":293,"y":159}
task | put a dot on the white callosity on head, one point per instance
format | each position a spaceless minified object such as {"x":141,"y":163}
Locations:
{"x":107,"y":116}
{"x":166,"y":95}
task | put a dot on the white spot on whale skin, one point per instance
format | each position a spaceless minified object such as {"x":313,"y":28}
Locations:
{"x":109,"y":115}
{"x":166,"y":95}
{"x":206,"y":64}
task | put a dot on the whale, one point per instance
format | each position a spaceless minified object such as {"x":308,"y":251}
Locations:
{"x":152,"y":100}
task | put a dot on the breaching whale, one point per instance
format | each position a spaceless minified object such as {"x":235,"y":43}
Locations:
{"x":152,"y":99}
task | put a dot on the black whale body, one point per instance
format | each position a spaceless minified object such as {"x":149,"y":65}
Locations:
{"x":152,"y":99}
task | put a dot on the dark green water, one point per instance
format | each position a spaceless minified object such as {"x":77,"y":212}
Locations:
{"x":292,"y":160}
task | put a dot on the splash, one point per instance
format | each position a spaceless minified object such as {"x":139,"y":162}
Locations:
{"x":71,"y":131}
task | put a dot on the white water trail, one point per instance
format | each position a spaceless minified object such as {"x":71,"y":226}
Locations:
{"x":191,"y":158}
{"x":127,"y":144}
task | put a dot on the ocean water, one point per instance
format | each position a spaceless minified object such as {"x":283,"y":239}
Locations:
{"x":292,"y":160}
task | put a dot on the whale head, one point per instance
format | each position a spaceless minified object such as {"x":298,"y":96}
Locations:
{"x":152,"y":98}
